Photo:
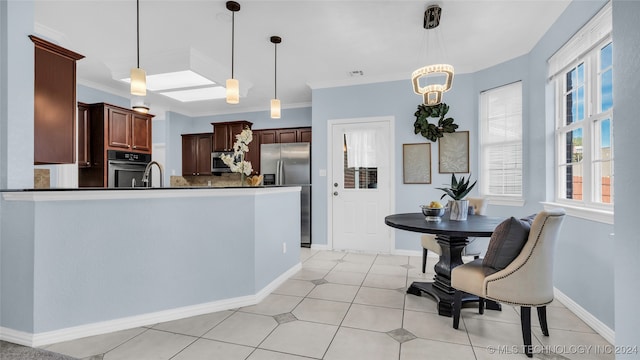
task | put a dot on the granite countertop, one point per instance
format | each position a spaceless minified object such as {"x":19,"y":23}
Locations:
{"x":150,"y":188}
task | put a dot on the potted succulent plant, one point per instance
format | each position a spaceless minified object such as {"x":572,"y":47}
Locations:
{"x":458,"y":189}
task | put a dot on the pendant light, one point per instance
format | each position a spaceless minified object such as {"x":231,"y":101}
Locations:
{"x":233,"y":86}
{"x":275,"y":103}
{"x":432,"y":93}
{"x":138,"y":75}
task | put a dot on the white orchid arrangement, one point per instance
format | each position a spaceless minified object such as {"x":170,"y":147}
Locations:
{"x":240,"y":147}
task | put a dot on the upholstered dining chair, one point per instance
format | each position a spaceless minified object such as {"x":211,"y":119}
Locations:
{"x":429,"y":242}
{"x":526,"y":281}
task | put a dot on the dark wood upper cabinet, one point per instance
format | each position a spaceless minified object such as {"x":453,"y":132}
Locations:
{"x":110,"y":127}
{"x":141,"y":132}
{"x":196,"y":154}
{"x":304,"y":135}
{"x":286,"y":136}
{"x":224,"y":134}
{"x":54,"y":103}
{"x":119,"y":128}
{"x":267,"y":136}
{"x":84,"y":139}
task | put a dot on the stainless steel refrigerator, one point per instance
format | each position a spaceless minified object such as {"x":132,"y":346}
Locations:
{"x":290,"y":164}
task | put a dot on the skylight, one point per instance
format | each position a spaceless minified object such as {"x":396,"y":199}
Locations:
{"x":206,"y":93}
{"x":175,"y":80}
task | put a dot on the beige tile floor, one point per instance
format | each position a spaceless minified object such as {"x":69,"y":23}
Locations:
{"x":345,"y":306}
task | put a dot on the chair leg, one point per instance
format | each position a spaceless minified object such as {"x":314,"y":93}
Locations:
{"x":457,"y":304}
{"x":424,"y":259}
{"x":542,"y":316}
{"x":525,"y":322}
{"x":481,"y":303}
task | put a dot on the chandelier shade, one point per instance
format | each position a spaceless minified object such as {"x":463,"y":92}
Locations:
{"x":432,"y":93}
{"x":431,"y":90}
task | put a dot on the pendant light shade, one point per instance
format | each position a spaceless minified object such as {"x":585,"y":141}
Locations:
{"x":275,"y":103}
{"x":138,"y":82}
{"x":233,"y":86}
{"x":233,"y":91}
{"x":138,"y":76}
{"x":275,"y":109}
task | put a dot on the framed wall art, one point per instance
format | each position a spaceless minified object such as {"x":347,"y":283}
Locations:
{"x":453,"y":153}
{"x":416,"y":163}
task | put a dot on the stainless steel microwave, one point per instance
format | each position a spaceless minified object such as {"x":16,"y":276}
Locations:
{"x":217,"y":165}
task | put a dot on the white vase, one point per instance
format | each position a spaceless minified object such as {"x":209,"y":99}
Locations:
{"x":458,"y":209}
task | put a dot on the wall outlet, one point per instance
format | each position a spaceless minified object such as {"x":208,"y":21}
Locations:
{"x":284,"y":248}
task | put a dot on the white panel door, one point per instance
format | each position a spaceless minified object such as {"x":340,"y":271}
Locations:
{"x":360,"y":158}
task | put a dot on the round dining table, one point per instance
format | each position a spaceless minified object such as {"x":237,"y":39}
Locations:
{"x":453,"y":237}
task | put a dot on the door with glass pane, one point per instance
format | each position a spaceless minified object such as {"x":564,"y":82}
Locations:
{"x":360,"y":186}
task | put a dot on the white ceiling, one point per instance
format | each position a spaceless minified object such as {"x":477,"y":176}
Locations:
{"x":322,"y":41}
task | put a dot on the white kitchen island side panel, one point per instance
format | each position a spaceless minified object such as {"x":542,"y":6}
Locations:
{"x":69,"y":262}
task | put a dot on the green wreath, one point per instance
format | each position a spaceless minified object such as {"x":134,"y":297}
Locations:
{"x":431,"y":131}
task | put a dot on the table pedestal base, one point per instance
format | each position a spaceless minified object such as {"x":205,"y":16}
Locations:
{"x":445,"y":300}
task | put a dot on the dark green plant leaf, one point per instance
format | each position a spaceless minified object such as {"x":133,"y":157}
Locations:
{"x":431,"y":131}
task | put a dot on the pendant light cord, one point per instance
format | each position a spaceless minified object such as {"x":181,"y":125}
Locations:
{"x":233,"y":37}
{"x":138,"y":31}
{"x":275,"y":72}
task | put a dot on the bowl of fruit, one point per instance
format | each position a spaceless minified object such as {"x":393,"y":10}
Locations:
{"x":433,"y":211}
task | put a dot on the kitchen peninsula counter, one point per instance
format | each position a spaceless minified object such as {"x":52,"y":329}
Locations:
{"x":81,"y":262}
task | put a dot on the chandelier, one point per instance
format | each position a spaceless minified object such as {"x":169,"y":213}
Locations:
{"x":432,"y":93}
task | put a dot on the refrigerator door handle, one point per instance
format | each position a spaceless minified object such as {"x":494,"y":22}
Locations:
{"x":278,"y":172}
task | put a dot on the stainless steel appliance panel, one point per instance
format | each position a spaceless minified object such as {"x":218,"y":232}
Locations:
{"x":290,"y":164}
{"x":125,"y":169}
{"x":296,"y":163}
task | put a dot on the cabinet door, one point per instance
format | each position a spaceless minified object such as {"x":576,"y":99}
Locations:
{"x":119,"y":125}
{"x":141,"y":133}
{"x":189,"y":155}
{"x":267,"y":137}
{"x":287,"y":136}
{"x":203,"y":156}
{"x":84,"y":130}
{"x":54,"y":108}
{"x":234,"y":129}
{"x":304,"y":135}
{"x":221,"y":138}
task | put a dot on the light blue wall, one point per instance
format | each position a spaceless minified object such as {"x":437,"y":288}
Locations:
{"x":385,"y":99}
{"x":90,"y":95}
{"x":626,"y":247}
{"x":581,"y":258}
{"x":297,"y":117}
{"x":581,"y":241}
{"x":16,"y":114}
{"x":76,"y":262}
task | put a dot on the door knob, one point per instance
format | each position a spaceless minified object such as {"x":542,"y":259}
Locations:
{"x":335,"y":193}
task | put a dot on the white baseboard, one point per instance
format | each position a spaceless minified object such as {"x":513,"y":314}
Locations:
{"x":104,"y":327}
{"x":320,"y":247}
{"x":601,"y":328}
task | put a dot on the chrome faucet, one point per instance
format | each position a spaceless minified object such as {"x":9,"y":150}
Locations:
{"x":147,"y":170}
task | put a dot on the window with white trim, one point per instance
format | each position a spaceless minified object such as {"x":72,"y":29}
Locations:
{"x":501,"y":142}
{"x":584,"y":116}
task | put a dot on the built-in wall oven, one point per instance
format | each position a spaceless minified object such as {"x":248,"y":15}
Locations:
{"x":125,"y":169}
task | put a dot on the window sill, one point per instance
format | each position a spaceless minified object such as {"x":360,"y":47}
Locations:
{"x":603,"y":216}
